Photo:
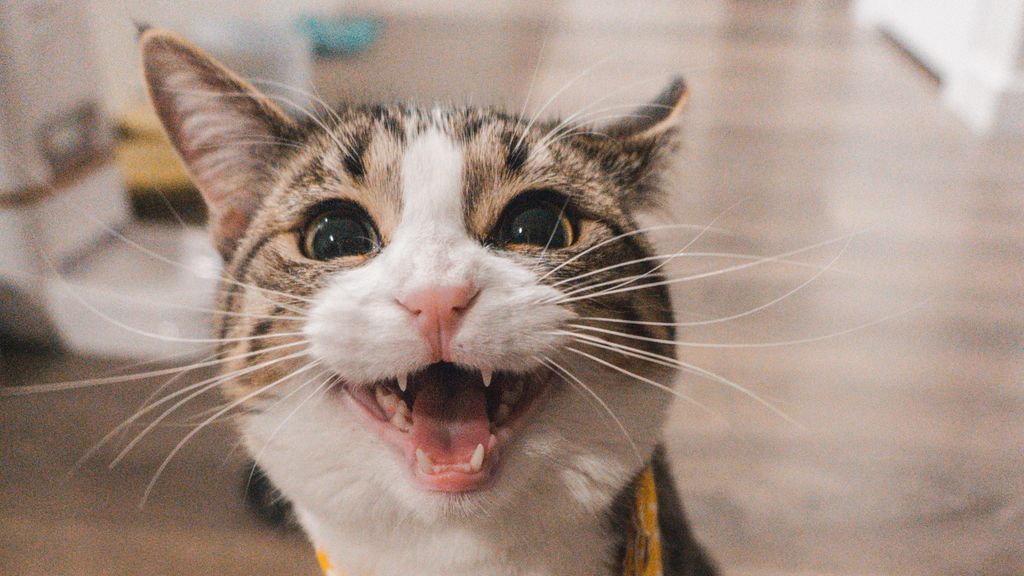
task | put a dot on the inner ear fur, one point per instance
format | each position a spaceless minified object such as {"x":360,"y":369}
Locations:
{"x":228,"y":134}
{"x":654,"y":119}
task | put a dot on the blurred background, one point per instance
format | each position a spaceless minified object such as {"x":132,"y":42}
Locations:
{"x":874,"y":148}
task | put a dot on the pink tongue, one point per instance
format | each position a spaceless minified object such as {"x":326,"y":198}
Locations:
{"x":449,"y":421}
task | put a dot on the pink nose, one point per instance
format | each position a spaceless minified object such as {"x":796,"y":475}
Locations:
{"x":439,"y":311}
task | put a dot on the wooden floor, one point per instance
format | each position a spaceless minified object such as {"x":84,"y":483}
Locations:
{"x":907,"y":456}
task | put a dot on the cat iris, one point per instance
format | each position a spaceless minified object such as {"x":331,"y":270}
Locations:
{"x":536,"y":221}
{"x":344,"y":230}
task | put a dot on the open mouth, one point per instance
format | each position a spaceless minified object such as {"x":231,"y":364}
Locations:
{"x":450,"y":422}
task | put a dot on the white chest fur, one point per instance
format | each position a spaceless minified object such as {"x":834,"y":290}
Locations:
{"x":525,"y":547}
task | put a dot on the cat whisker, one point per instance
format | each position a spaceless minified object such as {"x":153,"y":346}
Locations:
{"x":683,"y":249}
{"x":775,"y":344}
{"x":275,"y":97}
{"x":586,"y":71}
{"x":177,"y":448}
{"x":119,"y":379}
{"x":723,"y":255}
{"x":325,"y":385}
{"x":744,"y":313}
{"x":692,"y":241}
{"x":685,"y":366}
{"x":624,"y":235}
{"x":582,"y":112}
{"x":128,"y":241}
{"x":264,"y":141}
{"x":533,"y":81}
{"x":718,"y":272}
{"x":162,"y":337}
{"x":196,"y":390}
{"x":78,"y":288}
{"x":206,"y":385}
{"x":272,"y":399}
{"x":314,"y":95}
{"x":644,"y":379}
{"x":569,"y":378}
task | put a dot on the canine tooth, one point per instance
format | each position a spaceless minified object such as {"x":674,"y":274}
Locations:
{"x":426,"y":466}
{"x":477,"y":461}
{"x":502,"y":413}
{"x":486,"y":375}
{"x":403,"y":382}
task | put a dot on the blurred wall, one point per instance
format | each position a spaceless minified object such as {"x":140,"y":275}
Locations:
{"x":113,"y":30}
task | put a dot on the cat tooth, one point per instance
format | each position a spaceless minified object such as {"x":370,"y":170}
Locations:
{"x":400,"y":419}
{"x":386,"y":399}
{"x":477,"y":461}
{"x":426,"y":466}
{"x":403,"y":382}
{"x":486,"y":375}
{"x":502,"y":413}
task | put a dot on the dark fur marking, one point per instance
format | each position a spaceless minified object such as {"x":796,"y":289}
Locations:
{"x":385,"y":118}
{"x":238,"y":275}
{"x":261,"y":329}
{"x":517,"y":155}
{"x":353,"y":159}
{"x":470,"y":129}
{"x":264,"y":500}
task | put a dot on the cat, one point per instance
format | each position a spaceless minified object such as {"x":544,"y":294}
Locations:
{"x":443,"y":326}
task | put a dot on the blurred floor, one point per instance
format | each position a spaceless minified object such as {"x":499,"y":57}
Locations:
{"x":909,"y":454}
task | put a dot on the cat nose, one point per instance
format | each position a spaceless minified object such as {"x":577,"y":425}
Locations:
{"x":439,"y":311}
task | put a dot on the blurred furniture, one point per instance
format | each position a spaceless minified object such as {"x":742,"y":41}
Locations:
{"x":55,"y":158}
{"x":74,"y":268}
{"x":976,"y":47}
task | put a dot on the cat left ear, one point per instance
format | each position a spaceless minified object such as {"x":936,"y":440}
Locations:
{"x":654,"y":119}
{"x":640,"y":145}
{"x":226,"y":132}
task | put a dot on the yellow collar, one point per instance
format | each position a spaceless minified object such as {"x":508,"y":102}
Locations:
{"x":643,"y":546}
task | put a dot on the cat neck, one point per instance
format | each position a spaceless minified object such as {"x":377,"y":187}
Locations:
{"x":580,"y":548}
{"x":514,"y":547}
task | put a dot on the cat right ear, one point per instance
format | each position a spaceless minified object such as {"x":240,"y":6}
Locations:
{"x":226,"y":132}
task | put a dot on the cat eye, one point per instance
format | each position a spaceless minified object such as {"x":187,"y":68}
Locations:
{"x":536,"y":222}
{"x":339,"y":231}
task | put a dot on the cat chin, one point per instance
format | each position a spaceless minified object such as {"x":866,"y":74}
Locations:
{"x":559,"y":474}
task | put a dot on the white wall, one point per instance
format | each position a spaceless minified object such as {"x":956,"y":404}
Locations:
{"x":975,"y":46}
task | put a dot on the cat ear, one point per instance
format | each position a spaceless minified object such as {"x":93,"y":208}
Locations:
{"x":654,"y":119}
{"x":227,"y":133}
{"x":635,"y":150}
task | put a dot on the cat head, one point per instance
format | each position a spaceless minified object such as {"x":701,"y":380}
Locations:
{"x":428,"y":312}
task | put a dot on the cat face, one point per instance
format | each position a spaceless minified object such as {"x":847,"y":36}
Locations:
{"x":406,"y":289}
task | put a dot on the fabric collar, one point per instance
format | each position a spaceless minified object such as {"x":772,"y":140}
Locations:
{"x":643,"y":543}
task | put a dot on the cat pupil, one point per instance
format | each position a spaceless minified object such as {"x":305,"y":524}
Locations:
{"x":337,"y":234}
{"x":539,"y":226}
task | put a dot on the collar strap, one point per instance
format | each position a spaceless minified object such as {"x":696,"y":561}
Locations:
{"x":643,"y":543}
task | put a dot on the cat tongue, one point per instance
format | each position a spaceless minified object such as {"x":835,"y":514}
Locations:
{"x":449,"y":420}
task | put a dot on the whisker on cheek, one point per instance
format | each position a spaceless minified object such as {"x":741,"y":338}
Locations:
{"x":177,"y":448}
{"x":196,"y":390}
{"x":718,"y":272}
{"x":737,"y":315}
{"x":646,"y":380}
{"x":684,"y":366}
{"x":572,"y":379}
